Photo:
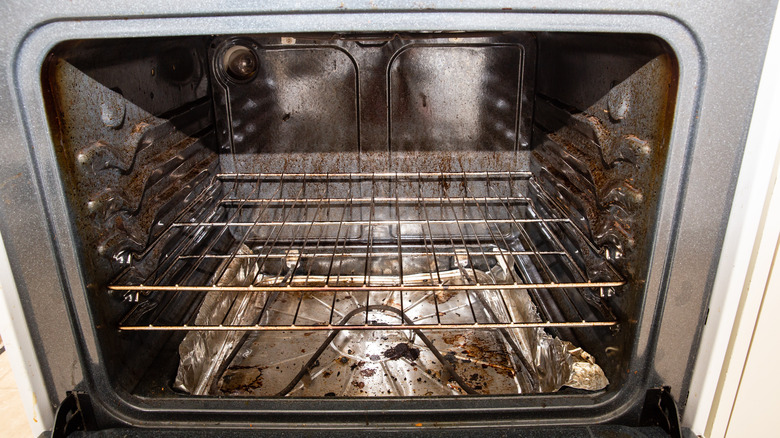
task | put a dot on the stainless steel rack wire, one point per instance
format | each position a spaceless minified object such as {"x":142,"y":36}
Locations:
{"x":374,"y":238}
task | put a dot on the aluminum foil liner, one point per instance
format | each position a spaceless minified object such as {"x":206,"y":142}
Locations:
{"x":546,"y":362}
{"x":551,"y":362}
{"x":203,"y":354}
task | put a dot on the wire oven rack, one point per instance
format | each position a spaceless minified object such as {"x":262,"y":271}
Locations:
{"x":377,"y":238}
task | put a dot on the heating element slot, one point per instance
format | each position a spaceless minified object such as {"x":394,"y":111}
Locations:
{"x":327,"y":251}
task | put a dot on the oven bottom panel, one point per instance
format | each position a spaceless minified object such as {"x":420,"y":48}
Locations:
{"x":395,"y":284}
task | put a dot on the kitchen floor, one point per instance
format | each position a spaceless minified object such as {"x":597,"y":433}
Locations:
{"x":12,"y":416}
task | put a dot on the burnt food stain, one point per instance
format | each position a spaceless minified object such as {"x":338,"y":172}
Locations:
{"x":402,"y":350}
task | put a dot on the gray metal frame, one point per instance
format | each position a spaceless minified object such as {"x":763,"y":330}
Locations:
{"x":719,"y":48}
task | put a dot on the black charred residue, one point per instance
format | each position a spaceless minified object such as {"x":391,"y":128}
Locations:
{"x":402,"y":350}
{"x":450,"y":357}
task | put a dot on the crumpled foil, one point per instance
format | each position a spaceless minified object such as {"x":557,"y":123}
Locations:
{"x":550,"y":363}
{"x":546,"y":362}
{"x":204,"y":354}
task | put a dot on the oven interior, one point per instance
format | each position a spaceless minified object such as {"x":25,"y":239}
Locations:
{"x":346,"y":215}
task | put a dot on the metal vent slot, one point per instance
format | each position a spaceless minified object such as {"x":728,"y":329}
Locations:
{"x":329,"y":245}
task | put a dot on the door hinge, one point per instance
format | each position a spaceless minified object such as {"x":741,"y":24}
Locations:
{"x":74,"y":414}
{"x":660,"y":410}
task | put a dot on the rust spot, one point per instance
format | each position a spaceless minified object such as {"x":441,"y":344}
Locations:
{"x":453,"y":338}
{"x":11,"y":179}
{"x":444,"y":295}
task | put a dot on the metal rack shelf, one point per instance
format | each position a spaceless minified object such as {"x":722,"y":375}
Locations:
{"x":374,"y":238}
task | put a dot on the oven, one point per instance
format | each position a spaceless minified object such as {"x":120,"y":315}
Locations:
{"x":370,"y":217}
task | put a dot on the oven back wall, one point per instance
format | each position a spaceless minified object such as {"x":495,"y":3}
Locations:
{"x":377,"y":103}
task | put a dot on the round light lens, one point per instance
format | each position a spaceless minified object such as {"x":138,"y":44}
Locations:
{"x":240,"y":63}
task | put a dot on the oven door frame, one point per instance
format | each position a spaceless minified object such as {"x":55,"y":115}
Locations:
{"x":40,"y":239}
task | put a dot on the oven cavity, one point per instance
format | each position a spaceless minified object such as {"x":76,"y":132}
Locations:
{"x":344,"y":215}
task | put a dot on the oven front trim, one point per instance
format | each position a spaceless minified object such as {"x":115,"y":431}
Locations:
{"x":679,"y":225}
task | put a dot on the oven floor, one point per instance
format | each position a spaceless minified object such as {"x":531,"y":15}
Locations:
{"x":253,"y":375}
{"x":418,"y":342}
{"x":371,"y":363}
